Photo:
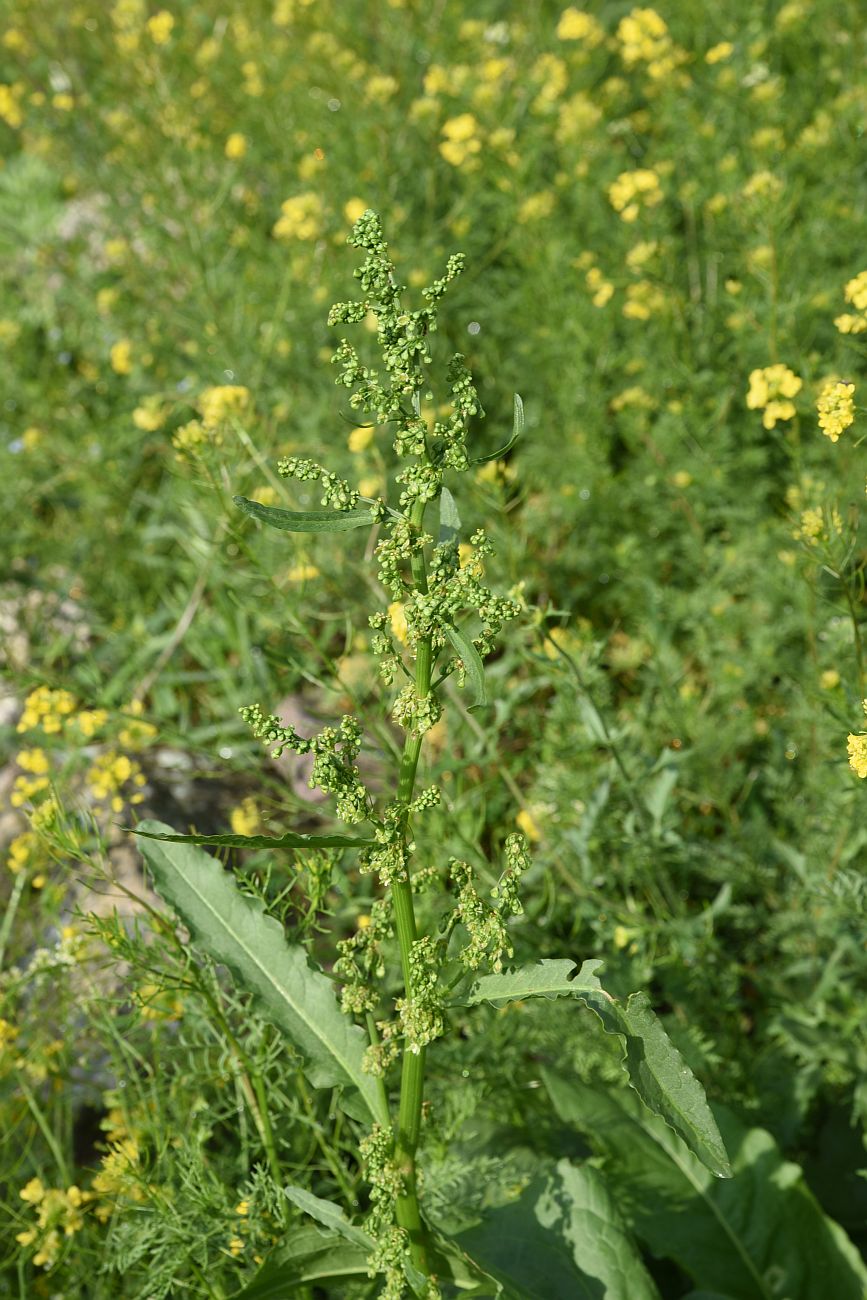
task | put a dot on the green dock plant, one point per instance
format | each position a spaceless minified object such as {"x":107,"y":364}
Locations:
{"x":376,"y":1059}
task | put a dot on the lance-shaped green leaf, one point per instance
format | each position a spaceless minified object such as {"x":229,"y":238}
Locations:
{"x":655,"y":1067}
{"x":306,"y":1255}
{"x":235,"y":930}
{"x":472,"y":662}
{"x":307,"y":521}
{"x":329,"y":1215}
{"x":517,"y":430}
{"x":291,"y":840}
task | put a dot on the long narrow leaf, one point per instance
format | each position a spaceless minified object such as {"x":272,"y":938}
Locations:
{"x":475,"y":669}
{"x":291,"y":840}
{"x":306,"y":521}
{"x":235,"y":930}
{"x":655,"y":1067}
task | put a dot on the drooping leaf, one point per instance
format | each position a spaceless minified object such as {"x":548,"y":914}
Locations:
{"x":329,"y":1215}
{"x":450,"y":520}
{"x":291,"y":840}
{"x":563,"y":1239}
{"x":757,"y":1236}
{"x":307,"y":521}
{"x":517,"y":430}
{"x":306,"y":1255}
{"x":655,"y":1067}
{"x":235,"y":930}
{"x":472,"y":662}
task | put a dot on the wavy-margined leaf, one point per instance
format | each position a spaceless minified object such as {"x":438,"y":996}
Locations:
{"x":307,"y":521}
{"x":235,"y":930}
{"x":291,"y":840}
{"x":472,"y":662}
{"x":517,"y":430}
{"x":563,"y":1239}
{"x":759,"y":1235}
{"x":306,"y":1255}
{"x":655,"y":1067}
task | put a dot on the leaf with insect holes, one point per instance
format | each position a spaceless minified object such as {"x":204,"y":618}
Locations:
{"x":288,"y":991}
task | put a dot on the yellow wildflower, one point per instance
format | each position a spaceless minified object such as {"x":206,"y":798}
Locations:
{"x":528,"y":825}
{"x":633,"y":191}
{"x":150,"y":416}
{"x":219,"y":404}
{"x":33,"y":760}
{"x":10,"y":107}
{"x":360,"y":439}
{"x":836,"y":408}
{"x":107,"y":776}
{"x":770,"y":390}
{"x":830,"y":679}
{"x":717,"y":53}
{"x":462,"y":141}
{"x":121,"y":357}
{"x":160,"y":27}
{"x":301,"y":218}
{"x":46,"y":708}
{"x":857,"y":746}
{"x":353,"y":209}
{"x":535,"y":207}
{"x":397,"y":619}
{"x":236,"y":146}
{"x":302,"y":572}
{"x":601,"y":289}
{"x":576,"y":25}
{"x":244,"y":819}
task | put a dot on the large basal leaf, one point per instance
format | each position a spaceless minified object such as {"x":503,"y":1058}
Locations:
{"x":291,"y":840}
{"x":655,"y":1067}
{"x":307,"y":521}
{"x":563,"y":1239}
{"x":307,"y":1255}
{"x":760,"y":1235}
{"x":472,"y":662}
{"x":235,"y":930}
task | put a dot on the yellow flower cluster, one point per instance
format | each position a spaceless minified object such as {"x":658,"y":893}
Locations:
{"x":219,"y":404}
{"x":118,"y":1176}
{"x":35,"y":763}
{"x":462,"y":140}
{"x":762,"y":185}
{"x":817,"y":526}
{"x":235,"y":147}
{"x":301,"y":217}
{"x":633,"y":191}
{"x":644,"y":38}
{"x":600,"y":288}
{"x":10,"y":105}
{"x":136,"y":733}
{"x":107,"y":776}
{"x":150,"y":416}
{"x":46,"y":708}
{"x":160,"y":27}
{"x":771,"y":390}
{"x":858,"y":750}
{"x":576,"y":25}
{"x":643,"y":300}
{"x":836,"y":408}
{"x":58,"y":1214}
{"x":856,"y":294}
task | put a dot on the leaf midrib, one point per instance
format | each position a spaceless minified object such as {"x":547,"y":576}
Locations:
{"x":361,"y":1081}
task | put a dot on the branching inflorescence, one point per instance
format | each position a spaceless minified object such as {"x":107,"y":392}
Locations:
{"x":437,"y":585}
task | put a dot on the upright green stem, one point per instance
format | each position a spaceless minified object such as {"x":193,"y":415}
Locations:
{"x":412,"y":1072}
